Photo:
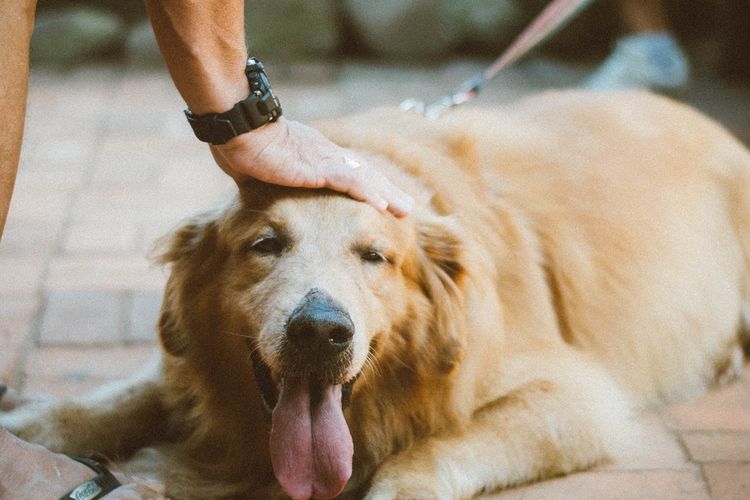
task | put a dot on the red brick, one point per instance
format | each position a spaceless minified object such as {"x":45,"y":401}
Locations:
{"x":64,"y":178}
{"x":82,"y":317}
{"x":29,"y":238}
{"x":728,"y":481}
{"x":114,"y":204}
{"x":60,"y":388}
{"x":127,"y":162}
{"x":199,"y":170}
{"x":84,"y":363}
{"x":613,"y":485}
{"x":145,"y":204}
{"x":21,"y":276}
{"x":101,"y":236}
{"x":39,"y":204}
{"x":56,"y":155}
{"x":718,"y":446}
{"x":143,"y":316}
{"x":72,"y":104}
{"x":104,"y":273}
{"x":724,"y":409}
{"x":16,"y":319}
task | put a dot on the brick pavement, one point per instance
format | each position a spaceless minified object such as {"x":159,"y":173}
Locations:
{"x":108,"y":165}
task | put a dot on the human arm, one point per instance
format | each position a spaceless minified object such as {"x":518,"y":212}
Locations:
{"x":203,"y":46}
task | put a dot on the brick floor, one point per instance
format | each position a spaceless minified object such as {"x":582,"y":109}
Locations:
{"x":109,"y":165}
{"x":717,"y":446}
{"x":729,"y":481}
{"x":82,"y":317}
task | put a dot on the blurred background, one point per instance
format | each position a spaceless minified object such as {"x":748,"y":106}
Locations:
{"x":326,"y":41}
{"x":109,"y":165}
{"x":72,"y":32}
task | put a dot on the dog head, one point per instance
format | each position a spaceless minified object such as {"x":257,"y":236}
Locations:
{"x":322,"y":290}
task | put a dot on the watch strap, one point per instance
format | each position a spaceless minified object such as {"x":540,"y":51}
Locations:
{"x":257,"y":109}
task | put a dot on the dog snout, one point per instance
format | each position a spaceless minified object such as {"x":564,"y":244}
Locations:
{"x":319,"y":327}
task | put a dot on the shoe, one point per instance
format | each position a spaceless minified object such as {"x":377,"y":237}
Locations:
{"x":645,"y":60}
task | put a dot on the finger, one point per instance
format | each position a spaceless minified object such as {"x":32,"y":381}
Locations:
{"x":360,"y":188}
{"x":364,"y":183}
{"x":379,"y":187}
{"x":400,"y":204}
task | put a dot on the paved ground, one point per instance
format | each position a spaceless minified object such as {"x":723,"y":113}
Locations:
{"x":109,"y":165}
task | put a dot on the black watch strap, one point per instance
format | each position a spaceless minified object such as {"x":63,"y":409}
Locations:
{"x":257,"y":109}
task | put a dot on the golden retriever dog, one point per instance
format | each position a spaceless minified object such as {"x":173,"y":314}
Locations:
{"x":570,"y":260}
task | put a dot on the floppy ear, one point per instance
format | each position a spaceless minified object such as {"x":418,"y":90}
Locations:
{"x":194,"y":252}
{"x":171,"y":335}
{"x":194,"y":235}
{"x":440,"y":275}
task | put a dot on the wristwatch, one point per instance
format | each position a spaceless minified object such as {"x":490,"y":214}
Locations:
{"x":257,"y":109}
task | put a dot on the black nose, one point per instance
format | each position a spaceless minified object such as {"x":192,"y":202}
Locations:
{"x":319,"y":327}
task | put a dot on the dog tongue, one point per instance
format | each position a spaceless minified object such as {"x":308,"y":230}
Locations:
{"x":311,"y":447}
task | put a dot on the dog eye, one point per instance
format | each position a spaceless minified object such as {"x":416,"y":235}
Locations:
{"x":267,"y":245}
{"x":373,"y":256}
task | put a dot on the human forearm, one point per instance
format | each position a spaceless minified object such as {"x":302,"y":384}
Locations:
{"x":203,"y":45}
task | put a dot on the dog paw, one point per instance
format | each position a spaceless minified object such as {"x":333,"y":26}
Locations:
{"x":406,"y":490}
{"x":32,"y":422}
{"x":10,"y":399}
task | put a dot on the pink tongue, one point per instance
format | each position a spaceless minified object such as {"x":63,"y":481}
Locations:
{"x":311,"y":448}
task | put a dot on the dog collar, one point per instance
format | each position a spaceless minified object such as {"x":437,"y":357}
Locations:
{"x":257,"y":109}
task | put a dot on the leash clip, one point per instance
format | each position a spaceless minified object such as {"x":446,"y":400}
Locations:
{"x":551,"y":19}
{"x":464,"y":93}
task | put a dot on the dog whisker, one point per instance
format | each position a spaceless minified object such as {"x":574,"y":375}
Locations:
{"x":234,"y":334}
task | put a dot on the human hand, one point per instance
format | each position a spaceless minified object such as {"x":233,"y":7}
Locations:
{"x":31,"y":471}
{"x":288,"y":153}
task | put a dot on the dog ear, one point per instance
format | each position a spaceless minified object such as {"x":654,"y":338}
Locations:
{"x":196,"y":234}
{"x":171,"y":335}
{"x":193,"y":251}
{"x":440,"y":275}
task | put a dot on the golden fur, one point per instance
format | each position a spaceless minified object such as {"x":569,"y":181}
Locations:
{"x":569,"y":260}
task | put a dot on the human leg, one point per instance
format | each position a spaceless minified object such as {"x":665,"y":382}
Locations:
{"x":648,"y":56}
{"x":18,"y":23}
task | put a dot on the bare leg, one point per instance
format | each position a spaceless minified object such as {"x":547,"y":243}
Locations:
{"x":18,"y":21}
{"x":28,"y":471}
{"x":642,"y":16}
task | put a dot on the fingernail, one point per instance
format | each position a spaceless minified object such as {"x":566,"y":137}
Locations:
{"x":381,"y":204}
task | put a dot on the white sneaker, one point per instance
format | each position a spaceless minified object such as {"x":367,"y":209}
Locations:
{"x":644,"y":60}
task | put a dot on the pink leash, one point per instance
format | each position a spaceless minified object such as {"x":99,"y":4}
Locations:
{"x":552,"y":18}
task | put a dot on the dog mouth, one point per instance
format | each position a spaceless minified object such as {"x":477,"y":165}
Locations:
{"x":310,"y":443}
{"x":269,"y":392}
